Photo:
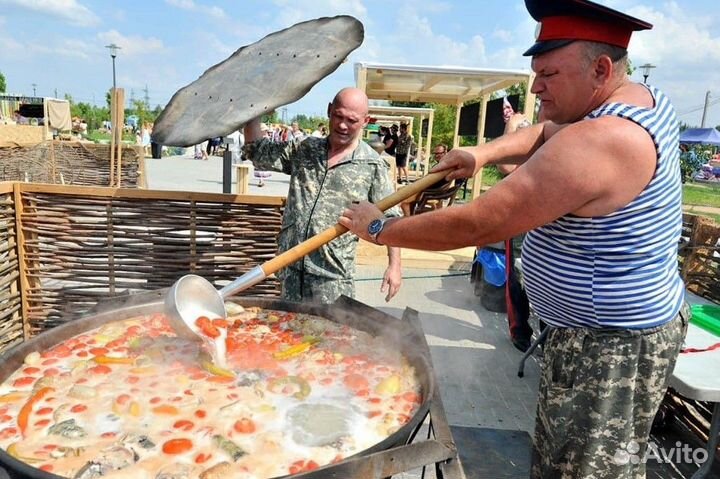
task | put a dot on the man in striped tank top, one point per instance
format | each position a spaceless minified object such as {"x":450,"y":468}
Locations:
{"x":600,"y":197}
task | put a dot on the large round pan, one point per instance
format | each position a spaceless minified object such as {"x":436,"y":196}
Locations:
{"x":404,"y":334}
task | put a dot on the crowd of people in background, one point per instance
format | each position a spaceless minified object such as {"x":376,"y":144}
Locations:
{"x":699,"y":163}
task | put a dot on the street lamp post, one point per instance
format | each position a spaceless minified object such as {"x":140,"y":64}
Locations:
{"x":646,"y":71}
{"x":113,"y":53}
{"x":34,"y":85}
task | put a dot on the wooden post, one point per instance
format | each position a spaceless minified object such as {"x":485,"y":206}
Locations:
{"x":482,"y":115}
{"x":22,"y":261}
{"x":418,"y":152}
{"x":121,"y":127}
{"x":243,"y":179}
{"x":111,"y":246}
{"x":140,"y":152}
{"x":456,"y":138}
{"x":52,"y":161}
{"x":113,"y":126}
{"x":428,"y":143}
{"x":361,"y":81}
{"x":12,"y":253}
{"x":529,"y":110}
{"x":46,"y":128}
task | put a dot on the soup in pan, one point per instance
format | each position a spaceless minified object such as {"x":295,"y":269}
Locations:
{"x":130,"y":399}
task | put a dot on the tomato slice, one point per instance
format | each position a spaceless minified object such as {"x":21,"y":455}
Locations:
{"x":184,"y":424}
{"x":206,"y":327}
{"x":177,"y":446}
{"x":245,"y":426}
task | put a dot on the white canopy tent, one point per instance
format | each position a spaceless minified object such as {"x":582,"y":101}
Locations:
{"x":440,"y":84}
{"x":377,"y":111}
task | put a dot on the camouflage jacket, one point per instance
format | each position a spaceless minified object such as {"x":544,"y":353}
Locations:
{"x":318,"y":196}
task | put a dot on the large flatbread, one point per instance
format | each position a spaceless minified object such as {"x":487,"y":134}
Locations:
{"x":277,"y":70}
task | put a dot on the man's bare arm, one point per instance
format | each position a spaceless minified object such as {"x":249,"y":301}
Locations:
{"x":252,"y":130}
{"x":392,"y":279}
{"x":588,"y":168}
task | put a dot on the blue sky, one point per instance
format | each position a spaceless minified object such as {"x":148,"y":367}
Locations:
{"x":166,"y":44}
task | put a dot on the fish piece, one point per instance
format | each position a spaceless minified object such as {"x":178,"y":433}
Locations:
{"x":229,"y":447}
{"x":175,"y":471}
{"x":220,"y":470}
{"x":68,"y":428}
{"x":277,"y":70}
{"x":137,"y":441}
{"x":111,"y":459}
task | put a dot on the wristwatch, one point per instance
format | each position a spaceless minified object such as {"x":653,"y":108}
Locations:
{"x":375,"y":228}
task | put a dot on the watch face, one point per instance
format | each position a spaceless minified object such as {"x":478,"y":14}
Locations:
{"x":374,"y":227}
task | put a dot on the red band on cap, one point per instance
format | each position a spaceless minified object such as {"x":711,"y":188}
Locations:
{"x":583,"y":28}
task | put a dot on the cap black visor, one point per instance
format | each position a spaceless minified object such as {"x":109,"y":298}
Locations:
{"x":546,"y":46}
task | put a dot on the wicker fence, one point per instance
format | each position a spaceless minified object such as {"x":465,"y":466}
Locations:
{"x":79,"y":245}
{"x":11,"y":323}
{"x":700,"y":257}
{"x":70,"y":163}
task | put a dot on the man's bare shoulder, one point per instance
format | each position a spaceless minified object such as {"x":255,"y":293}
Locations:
{"x":606,"y":136}
{"x":611,"y":159}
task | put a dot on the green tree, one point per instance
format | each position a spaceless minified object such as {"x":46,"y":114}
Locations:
{"x":3,"y":85}
{"x":443,"y":121}
{"x":309,"y":122}
{"x":141,"y":110}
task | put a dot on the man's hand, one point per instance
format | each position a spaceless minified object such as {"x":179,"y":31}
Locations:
{"x":458,"y":163}
{"x":392,"y":280}
{"x":252,"y":130}
{"x":358,"y":216}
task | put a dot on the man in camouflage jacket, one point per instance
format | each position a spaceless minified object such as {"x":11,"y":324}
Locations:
{"x":326,"y":175}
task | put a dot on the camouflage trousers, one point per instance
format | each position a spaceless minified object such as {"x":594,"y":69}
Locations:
{"x":599,"y":392}
{"x":302,"y":286}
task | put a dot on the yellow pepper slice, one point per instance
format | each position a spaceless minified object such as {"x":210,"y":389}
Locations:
{"x":12,"y":450}
{"x":113,"y":360}
{"x":216,"y":370}
{"x":297,"y":349}
{"x":14,"y":396}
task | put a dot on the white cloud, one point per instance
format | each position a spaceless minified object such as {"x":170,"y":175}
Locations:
{"x":685,"y":48}
{"x":413,"y":40}
{"x":131,"y":45}
{"x":24,"y":50}
{"x":10,"y":46}
{"x":184,"y":4}
{"x":214,"y":11}
{"x":503,"y":35}
{"x":69,"y":11}
{"x":290,"y":12}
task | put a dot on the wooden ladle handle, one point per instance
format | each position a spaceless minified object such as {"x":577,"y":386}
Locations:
{"x":311,"y":244}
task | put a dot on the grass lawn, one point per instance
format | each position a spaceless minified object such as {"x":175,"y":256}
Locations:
{"x":97,"y":136}
{"x":701,"y":194}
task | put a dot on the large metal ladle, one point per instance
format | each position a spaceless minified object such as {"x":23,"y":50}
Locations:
{"x":193,"y":296}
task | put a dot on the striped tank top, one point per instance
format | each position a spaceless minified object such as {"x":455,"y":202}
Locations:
{"x":618,"y":270}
